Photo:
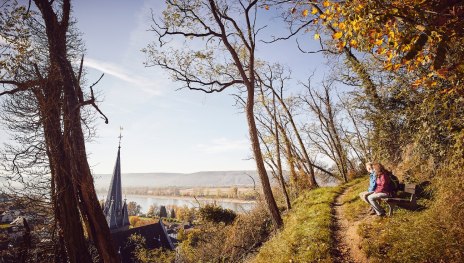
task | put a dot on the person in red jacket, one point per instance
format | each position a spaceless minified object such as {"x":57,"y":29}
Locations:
{"x":383,"y":188}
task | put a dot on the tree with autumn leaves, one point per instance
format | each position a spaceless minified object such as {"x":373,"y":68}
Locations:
{"x":407,"y":35}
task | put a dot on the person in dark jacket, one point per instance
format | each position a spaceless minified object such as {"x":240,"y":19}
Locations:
{"x":383,"y":188}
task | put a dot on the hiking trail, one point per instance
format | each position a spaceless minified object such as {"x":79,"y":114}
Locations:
{"x":347,"y":241}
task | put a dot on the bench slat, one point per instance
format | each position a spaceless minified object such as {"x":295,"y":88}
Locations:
{"x":404,"y":187}
{"x":397,"y":200}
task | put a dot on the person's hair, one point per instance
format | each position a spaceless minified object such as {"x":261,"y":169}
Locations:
{"x":379,"y":169}
{"x":368,"y":166}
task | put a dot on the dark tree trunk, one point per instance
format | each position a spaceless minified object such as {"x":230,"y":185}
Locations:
{"x":73,"y":180}
{"x":268,"y":196}
{"x":279,"y":161}
{"x":311,"y":175}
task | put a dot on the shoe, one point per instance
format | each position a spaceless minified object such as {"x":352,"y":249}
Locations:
{"x":381,"y":215}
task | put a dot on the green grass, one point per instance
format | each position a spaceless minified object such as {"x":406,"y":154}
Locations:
{"x":354,"y":207}
{"x":407,"y":236}
{"x":306,"y":236}
{"x":3,"y":226}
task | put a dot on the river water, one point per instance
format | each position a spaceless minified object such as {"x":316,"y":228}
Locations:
{"x":145,"y":201}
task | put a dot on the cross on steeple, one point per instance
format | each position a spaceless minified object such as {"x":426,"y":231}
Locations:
{"x":120,"y":136}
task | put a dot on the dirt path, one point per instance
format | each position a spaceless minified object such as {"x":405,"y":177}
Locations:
{"x":347,"y":248}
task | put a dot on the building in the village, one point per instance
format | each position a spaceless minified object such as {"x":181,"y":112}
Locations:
{"x":115,"y":210}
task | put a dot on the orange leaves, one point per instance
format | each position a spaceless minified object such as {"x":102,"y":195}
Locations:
{"x":420,"y":28}
{"x":337,"y":35}
{"x":354,"y":43}
{"x":396,"y":33}
{"x":442,"y":73}
{"x":305,"y":12}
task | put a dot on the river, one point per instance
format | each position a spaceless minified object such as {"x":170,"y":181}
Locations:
{"x":145,"y":201}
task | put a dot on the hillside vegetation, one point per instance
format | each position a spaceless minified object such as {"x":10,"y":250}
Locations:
{"x":421,"y":235}
{"x":306,"y":236}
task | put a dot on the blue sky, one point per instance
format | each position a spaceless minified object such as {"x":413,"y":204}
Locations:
{"x":164,"y":130}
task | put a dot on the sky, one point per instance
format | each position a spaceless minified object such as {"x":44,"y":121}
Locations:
{"x":165,"y":129}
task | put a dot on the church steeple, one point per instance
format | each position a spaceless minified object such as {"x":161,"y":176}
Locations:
{"x":114,"y":207}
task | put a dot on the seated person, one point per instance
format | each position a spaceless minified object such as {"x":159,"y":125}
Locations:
{"x":371,"y":188}
{"x":383,"y":188}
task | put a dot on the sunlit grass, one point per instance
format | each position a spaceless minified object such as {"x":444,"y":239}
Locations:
{"x":306,"y":236}
{"x":3,"y":226}
{"x":353,"y":206}
{"x":407,"y":236}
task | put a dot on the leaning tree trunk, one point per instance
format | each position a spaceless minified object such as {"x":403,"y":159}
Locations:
{"x":312,"y":175}
{"x":70,"y":160}
{"x":268,"y":196}
{"x":66,"y":213}
{"x":74,"y":139}
{"x":279,"y":161}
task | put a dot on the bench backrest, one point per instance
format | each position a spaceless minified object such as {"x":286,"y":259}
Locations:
{"x":410,"y":189}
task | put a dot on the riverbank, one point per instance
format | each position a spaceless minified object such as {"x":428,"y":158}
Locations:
{"x":229,"y":200}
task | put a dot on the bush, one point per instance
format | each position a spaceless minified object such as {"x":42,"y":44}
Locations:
{"x":143,"y":255}
{"x":216,"y":214}
{"x":212,"y":242}
{"x":133,"y":220}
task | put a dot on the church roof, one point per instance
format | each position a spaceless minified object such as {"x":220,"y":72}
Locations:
{"x":115,"y":210}
{"x":115,"y":190}
{"x":155,"y":237}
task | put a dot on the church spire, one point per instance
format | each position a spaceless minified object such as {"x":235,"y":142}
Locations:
{"x":120,"y":137}
{"x":114,"y":206}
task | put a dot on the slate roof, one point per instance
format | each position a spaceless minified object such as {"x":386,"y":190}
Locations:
{"x":115,"y":209}
{"x":155,"y":237}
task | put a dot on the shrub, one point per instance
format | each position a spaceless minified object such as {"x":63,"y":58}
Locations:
{"x":143,"y":255}
{"x":216,"y":214}
{"x":213,"y":242}
{"x":133,"y":220}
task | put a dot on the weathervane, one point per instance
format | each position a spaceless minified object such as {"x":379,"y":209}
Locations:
{"x":120,"y":136}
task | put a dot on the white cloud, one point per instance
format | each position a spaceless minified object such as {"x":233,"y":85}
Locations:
{"x":221,"y":145}
{"x":121,"y":73}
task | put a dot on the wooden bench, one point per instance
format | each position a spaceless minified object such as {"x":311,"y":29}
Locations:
{"x":410,"y":201}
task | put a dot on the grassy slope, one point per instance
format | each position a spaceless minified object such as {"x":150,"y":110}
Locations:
{"x":5,"y":226}
{"x":306,"y":236}
{"x":408,"y":236}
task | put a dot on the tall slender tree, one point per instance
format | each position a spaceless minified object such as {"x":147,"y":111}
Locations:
{"x":227,"y":33}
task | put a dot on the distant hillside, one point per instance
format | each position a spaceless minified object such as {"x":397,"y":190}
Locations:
{"x":200,"y":179}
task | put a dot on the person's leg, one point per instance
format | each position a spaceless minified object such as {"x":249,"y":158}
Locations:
{"x":372,"y":198}
{"x":363,"y":196}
